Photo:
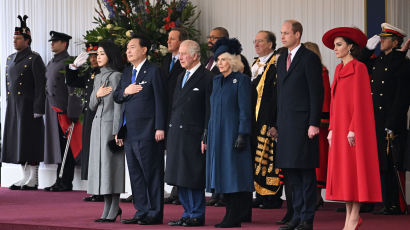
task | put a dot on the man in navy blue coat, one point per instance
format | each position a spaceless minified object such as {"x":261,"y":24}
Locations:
{"x":300,"y":97}
{"x":141,"y":91}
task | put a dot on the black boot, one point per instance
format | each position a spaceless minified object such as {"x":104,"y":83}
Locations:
{"x":233,"y":218}
{"x":246,"y":206}
{"x":227,"y":212}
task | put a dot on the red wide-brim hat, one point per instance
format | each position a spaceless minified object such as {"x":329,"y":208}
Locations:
{"x":349,"y":32}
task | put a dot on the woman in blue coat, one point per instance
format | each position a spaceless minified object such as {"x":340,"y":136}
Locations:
{"x":228,"y":160}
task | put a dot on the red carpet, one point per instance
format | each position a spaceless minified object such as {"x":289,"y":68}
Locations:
{"x":34,"y":210}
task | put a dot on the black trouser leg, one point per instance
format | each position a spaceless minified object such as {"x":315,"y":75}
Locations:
{"x":289,"y":203}
{"x":390,"y":186}
{"x":174,"y":192}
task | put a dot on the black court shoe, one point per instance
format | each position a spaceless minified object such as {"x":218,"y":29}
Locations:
{"x":119,"y":213}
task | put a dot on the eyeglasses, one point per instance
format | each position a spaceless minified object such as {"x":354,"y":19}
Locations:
{"x":258,"y":41}
{"x":212,"y":38}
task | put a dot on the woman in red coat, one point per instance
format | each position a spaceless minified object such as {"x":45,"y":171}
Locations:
{"x":353,"y":167}
{"x":321,"y":172}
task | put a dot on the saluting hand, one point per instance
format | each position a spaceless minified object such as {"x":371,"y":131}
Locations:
{"x":103,"y":91}
{"x":132,"y":89}
{"x":406,"y":46}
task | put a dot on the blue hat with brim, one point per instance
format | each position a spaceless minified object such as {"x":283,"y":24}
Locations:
{"x":223,"y":45}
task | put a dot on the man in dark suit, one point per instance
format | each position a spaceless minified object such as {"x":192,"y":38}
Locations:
{"x":214,"y":35}
{"x":300,"y":97}
{"x":141,"y":91}
{"x":171,"y":66}
{"x":185,"y":162}
{"x":170,"y":69}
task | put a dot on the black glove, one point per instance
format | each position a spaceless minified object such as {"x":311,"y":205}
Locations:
{"x":240,"y":143}
{"x":204,"y":136}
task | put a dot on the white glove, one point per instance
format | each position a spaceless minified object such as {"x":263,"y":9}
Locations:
{"x":406,"y":46}
{"x":372,"y":42}
{"x":81,"y":59}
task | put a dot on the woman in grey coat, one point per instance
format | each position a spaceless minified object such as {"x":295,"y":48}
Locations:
{"x":106,"y":168}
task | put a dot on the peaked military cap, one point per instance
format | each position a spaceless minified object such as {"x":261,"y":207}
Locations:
{"x":57,"y":36}
{"x":389,"y":30}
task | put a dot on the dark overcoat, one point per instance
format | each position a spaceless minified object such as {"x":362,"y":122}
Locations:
{"x":300,"y":99}
{"x":227,"y":170}
{"x":23,"y":139}
{"x":61,"y":96}
{"x":390,"y":84}
{"x":86,"y":82}
{"x":170,"y":78}
{"x":185,"y":164}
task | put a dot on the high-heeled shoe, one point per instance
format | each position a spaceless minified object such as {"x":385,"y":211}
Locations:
{"x":119,"y":213}
{"x":100,"y":220}
{"x":359,"y":223}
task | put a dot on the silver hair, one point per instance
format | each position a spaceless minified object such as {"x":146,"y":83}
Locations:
{"x":234,"y":60}
{"x":193,"y":47}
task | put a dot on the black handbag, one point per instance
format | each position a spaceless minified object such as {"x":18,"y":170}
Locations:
{"x":121,"y":135}
{"x":114,"y":147}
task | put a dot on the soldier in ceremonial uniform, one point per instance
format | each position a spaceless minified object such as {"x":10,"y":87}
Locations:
{"x":267,"y":181}
{"x":390,"y":87}
{"x":63,"y":107}
{"x":85,"y":80}
{"x":24,"y":128}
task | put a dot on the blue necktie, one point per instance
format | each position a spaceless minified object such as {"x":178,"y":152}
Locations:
{"x":172,"y":63}
{"x":185,"y":79}
{"x":134,"y":75}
